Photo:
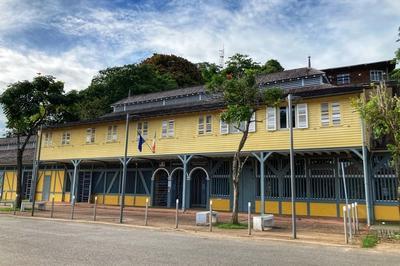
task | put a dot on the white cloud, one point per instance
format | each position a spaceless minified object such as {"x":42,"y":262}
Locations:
{"x":334,"y":33}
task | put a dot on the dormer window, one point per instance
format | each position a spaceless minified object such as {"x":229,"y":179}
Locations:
{"x":342,"y":79}
{"x":376,"y":75}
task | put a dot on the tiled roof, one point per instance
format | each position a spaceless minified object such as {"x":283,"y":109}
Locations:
{"x":288,"y":74}
{"x":8,"y":151}
{"x":162,"y":95}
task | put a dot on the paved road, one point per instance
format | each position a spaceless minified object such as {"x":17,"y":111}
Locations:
{"x":42,"y":242}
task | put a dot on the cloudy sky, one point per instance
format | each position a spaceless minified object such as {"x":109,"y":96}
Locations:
{"x":74,"y":39}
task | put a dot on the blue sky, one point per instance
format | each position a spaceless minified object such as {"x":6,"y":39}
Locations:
{"x":74,"y":39}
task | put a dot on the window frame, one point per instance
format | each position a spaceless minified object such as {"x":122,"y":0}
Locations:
{"x":325,"y":121}
{"x":373,"y":72}
{"x":338,"y":115}
{"x":66,"y":138}
{"x":90,"y":133}
{"x":112,"y":133}
{"x":343,"y":79}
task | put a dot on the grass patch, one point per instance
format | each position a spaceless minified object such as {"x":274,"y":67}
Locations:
{"x":7,"y":209}
{"x":231,"y":226}
{"x":369,"y":241}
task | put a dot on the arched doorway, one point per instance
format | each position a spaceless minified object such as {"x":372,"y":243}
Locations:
{"x":160,"y":178}
{"x":176,"y":189}
{"x":198,"y":187}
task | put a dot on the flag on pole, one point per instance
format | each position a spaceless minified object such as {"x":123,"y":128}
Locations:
{"x":140,"y":142}
{"x":153,"y":145}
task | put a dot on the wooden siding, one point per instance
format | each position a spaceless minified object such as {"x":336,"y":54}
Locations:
{"x":187,"y":140}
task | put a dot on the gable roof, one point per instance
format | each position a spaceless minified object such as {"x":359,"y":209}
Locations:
{"x":288,"y":74}
{"x":161,"y":95}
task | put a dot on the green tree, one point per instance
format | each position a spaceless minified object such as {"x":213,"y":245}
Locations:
{"x":184,"y":72}
{"x":396,"y":73}
{"x":115,"y":83}
{"x":271,"y":66}
{"x":28,"y":105}
{"x":238,"y":64}
{"x":381,"y":112}
{"x":208,"y":70}
{"x":242,"y":98}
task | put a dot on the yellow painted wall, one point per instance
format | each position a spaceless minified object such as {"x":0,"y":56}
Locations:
{"x":323,"y":209}
{"x":386,"y":213}
{"x":9,"y":185}
{"x":301,"y":208}
{"x":269,"y":207}
{"x":186,"y":139}
{"x":56,"y":185}
{"x":130,"y":200}
{"x":362,"y":211}
{"x":220,"y":204}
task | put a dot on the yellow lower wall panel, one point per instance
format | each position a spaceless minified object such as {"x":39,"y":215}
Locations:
{"x":221,"y":204}
{"x":269,"y":207}
{"x":111,"y":199}
{"x":66,"y":197}
{"x":301,"y":208}
{"x":140,"y":201}
{"x":323,"y":209}
{"x":362,"y":211}
{"x":386,"y":213}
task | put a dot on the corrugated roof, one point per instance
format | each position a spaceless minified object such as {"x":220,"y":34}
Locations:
{"x":288,"y":74}
{"x":161,"y":95}
{"x":391,"y":63}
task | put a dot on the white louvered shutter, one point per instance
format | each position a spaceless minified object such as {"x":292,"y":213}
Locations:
{"x":302,"y":115}
{"x":252,"y":127}
{"x":271,"y":118}
{"x":224,"y":127}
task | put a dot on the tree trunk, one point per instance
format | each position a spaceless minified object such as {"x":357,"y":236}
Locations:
{"x":237,"y":166}
{"x":18,"y":195}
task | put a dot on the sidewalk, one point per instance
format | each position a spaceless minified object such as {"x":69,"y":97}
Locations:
{"x":313,"y":230}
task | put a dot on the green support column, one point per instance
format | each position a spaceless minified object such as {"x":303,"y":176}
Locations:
{"x":262,"y":157}
{"x":186,"y":187}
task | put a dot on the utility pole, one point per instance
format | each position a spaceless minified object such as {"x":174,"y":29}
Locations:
{"x":292,"y":181}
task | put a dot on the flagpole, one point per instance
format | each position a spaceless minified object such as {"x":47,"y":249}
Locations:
{"x":125,"y":166}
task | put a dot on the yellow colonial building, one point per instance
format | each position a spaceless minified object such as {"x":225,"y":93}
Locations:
{"x":187,"y":153}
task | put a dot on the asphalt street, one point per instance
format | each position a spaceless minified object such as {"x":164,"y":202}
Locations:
{"x":25,"y":241}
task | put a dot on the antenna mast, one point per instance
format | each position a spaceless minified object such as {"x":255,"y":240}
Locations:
{"x":221,"y":57}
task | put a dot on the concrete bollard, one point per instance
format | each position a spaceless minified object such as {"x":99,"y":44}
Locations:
{"x":249,"y":218}
{"x":95,"y":209}
{"x":73,"y":207}
{"x":356,"y":212}
{"x":176,"y":213}
{"x":146,"y":211}
{"x":353,"y":218}
{"x":346,"y":240}
{"x":349,"y":221}
{"x":52,"y":206}
{"x":211,"y":215}
{"x":15,"y":203}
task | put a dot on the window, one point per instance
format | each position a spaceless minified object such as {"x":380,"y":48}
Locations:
{"x":252,"y":126}
{"x":90,"y":135}
{"x":143,"y":129}
{"x":224,"y":127}
{"x":302,"y":115}
{"x":376,"y":75}
{"x":112,"y":134}
{"x":66,"y":138}
{"x":336,"y":114}
{"x":208,"y":124}
{"x":205,"y":125}
{"x":168,"y":127}
{"x":284,"y":117}
{"x":343,"y":79}
{"x":324,"y":114}
{"x":48,"y":138}
{"x":236,"y":128}
{"x":271,"y":118}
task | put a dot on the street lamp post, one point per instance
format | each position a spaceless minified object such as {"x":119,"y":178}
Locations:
{"x":292,"y":182}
